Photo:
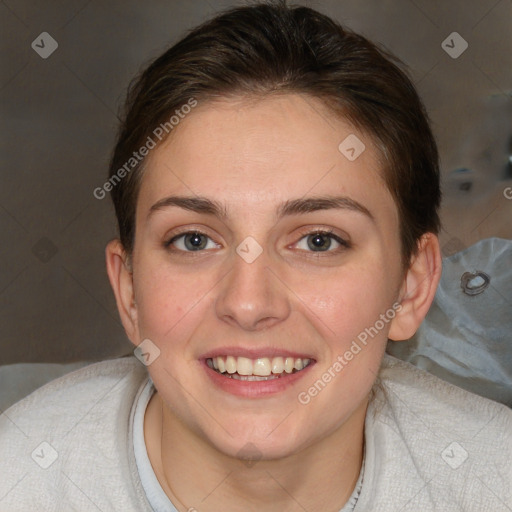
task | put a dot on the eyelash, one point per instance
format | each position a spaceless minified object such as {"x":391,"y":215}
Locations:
{"x":344,"y":244}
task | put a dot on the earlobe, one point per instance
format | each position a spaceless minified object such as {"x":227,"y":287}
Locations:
{"x":121,"y":279}
{"x":418,"y":289}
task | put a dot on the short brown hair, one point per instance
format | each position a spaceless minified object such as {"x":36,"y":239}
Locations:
{"x":270,"y":48}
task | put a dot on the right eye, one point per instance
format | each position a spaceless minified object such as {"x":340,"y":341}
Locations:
{"x":190,"y":241}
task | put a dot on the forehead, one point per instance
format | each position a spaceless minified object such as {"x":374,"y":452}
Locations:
{"x":248,"y":151}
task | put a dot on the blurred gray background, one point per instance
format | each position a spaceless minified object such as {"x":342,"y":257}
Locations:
{"x":59,"y":119}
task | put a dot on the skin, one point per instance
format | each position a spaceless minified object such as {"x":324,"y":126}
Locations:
{"x":252,"y":155}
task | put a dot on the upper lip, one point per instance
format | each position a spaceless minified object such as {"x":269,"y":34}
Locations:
{"x":254,"y":353}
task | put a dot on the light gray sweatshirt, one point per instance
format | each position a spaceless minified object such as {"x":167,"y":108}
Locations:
{"x":429,"y":446}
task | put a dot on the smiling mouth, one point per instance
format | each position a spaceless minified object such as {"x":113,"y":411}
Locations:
{"x":261,"y":369}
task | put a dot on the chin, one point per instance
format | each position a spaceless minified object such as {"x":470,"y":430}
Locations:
{"x":253,"y":448}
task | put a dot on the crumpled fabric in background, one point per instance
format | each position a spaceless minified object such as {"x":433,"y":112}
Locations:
{"x":466,"y":337}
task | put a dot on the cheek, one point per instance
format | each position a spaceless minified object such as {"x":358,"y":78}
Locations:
{"x":169,"y":303}
{"x":346,"y":303}
{"x":346,"y":315}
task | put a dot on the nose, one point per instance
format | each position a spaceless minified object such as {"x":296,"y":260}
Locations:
{"x":252,"y":297}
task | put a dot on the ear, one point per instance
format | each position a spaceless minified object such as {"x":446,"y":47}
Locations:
{"x":418,"y":288}
{"x":121,"y":279}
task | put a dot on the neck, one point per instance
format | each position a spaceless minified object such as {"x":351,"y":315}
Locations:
{"x":196,"y":476}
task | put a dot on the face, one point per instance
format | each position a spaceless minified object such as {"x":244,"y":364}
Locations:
{"x":259,"y":269}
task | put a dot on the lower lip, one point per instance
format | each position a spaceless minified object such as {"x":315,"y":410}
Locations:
{"x":255,"y":389}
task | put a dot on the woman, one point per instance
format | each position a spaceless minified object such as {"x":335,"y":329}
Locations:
{"x":276,"y":187}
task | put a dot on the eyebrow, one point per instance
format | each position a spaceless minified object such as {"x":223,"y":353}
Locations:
{"x":291,"y":207}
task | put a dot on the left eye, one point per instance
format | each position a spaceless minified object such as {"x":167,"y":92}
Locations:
{"x":192,"y":241}
{"x":321,"y":241}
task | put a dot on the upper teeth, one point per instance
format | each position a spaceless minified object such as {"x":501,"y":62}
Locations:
{"x":263,"y":366}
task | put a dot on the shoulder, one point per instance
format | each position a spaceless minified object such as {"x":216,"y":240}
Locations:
{"x":94,"y":385}
{"x":449,"y":449}
{"x":420,"y":391}
{"x":72,"y":431}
